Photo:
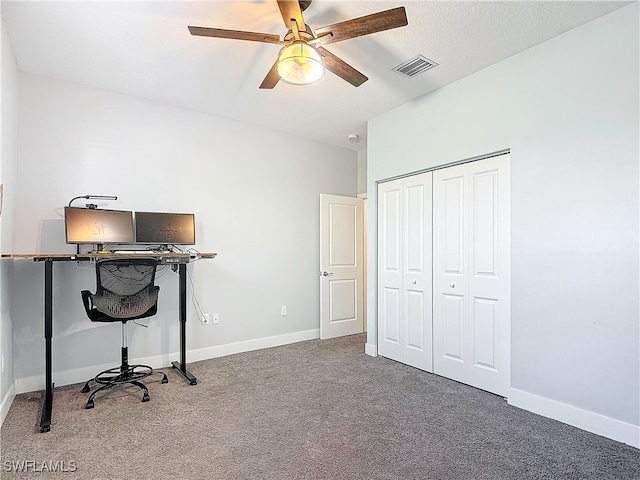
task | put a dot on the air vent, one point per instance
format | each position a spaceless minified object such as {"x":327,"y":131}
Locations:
{"x":416,"y":65}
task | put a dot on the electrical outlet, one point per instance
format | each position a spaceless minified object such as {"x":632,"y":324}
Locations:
{"x":206,"y":319}
{"x":284,"y":310}
{"x":215,"y":318}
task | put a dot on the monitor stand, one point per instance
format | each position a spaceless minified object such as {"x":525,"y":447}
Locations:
{"x":99,"y":248}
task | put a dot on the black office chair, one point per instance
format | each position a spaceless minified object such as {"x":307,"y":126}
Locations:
{"x":125,"y":291}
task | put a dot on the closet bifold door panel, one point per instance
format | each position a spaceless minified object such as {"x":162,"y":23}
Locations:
{"x":471,"y":274}
{"x":405,"y":270}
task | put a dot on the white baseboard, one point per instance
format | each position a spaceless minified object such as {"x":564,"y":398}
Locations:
{"x":78,"y":375}
{"x":371,"y":349}
{"x":577,"y":417}
{"x":250,"y":345}
{"x":6,"y":403}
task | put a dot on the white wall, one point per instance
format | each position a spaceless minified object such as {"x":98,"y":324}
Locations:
{"x":256,"y":205}
{"x":8,"y":161}
{"x":568,"y":110}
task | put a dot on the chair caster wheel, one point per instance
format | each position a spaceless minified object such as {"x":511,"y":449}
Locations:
{"x":89,"y":405}
{"x":165,"y":380}
{"x":145,"y":398}
{"x":85,"y":389}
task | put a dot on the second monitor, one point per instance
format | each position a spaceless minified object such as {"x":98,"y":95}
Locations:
{"x":165,"y":228}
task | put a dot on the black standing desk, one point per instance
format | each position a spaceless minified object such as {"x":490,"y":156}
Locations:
{"x":178,"y":261}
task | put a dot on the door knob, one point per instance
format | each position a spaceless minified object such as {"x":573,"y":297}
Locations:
{"x":413,"y":281}
{"x":326,"y":274}
{"x":452,"y":285}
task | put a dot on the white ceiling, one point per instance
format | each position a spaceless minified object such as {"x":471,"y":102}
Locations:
{"x":143,"y":48}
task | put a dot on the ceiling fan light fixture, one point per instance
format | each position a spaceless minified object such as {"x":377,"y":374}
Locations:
{"x":300,"y":64}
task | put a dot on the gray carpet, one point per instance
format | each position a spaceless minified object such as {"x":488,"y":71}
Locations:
{"x":312,"y":410}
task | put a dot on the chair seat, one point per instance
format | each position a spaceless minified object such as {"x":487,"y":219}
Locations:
{"x":95,"y":306}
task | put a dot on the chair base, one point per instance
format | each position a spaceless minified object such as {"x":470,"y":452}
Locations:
{"x":124,"y":374}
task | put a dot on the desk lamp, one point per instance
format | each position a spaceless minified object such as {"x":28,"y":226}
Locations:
{"x":93,"y":197}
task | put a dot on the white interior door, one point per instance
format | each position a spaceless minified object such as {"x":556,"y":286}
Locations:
{"x":341,"y":266}
{"x":471,"y":273}
{"x":404,"y":270}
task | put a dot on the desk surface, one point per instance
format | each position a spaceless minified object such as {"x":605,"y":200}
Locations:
{"x":94,"y":256}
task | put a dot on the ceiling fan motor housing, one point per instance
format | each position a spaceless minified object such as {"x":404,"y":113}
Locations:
{"x":306,"y":34}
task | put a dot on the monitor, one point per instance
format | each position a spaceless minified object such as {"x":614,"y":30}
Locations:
{"x":165,"y":228}
{"x":94,"y":226}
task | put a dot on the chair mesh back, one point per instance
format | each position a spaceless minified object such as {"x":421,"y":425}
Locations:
{"x":125,"y":288}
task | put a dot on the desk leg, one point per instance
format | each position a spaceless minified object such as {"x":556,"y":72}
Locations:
{"x":181,"y":366}
{"x":45,"y":417}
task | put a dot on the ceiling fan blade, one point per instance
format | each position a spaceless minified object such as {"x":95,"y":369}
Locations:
{"x":272,"y":77}
{"x":235,"y":34}
{"x":357,"y":27}
{"x":290,"y":9}
{"x":341,"y":68}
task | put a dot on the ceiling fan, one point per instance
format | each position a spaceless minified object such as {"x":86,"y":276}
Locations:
{"x":303,"y":59}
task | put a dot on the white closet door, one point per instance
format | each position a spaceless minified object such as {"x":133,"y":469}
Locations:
{"x":471,"y":300}
{"x":404,"y":271}
{"x":390,"y":269}
{"x":416,"y":278}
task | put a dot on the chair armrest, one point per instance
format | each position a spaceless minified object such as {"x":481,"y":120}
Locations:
{"x":86,"y":300}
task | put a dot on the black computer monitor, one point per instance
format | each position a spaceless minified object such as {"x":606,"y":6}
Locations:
{"x":154,"y":228}
{"x":94,"y":226}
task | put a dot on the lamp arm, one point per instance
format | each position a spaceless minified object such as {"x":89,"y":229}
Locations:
{"x":94,"y":197}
